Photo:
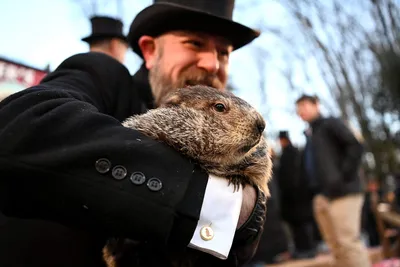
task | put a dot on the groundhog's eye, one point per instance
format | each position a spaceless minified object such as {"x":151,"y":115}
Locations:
{"x":219,"y":107}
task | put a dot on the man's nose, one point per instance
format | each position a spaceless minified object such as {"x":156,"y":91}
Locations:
{"x":209,"y":62}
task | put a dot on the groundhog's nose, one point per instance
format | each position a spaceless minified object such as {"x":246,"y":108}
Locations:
{"x":260,"y":124}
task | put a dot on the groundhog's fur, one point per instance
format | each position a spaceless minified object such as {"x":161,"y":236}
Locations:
{"x":218,"y":130}
{"x":226,"y":143}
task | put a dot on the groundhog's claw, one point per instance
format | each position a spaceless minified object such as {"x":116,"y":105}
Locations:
{"x":236,"y":181}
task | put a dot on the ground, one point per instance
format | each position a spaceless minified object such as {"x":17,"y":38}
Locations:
{"x":322,"y":260}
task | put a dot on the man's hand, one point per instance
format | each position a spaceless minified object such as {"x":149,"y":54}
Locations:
{"x":249,"y":228}
{"x":248,"y":203}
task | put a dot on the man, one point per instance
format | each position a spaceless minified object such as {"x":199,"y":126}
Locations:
{"x":107,"y":37}
{"x":332,"y":160}
{"x":296,"y":200}
{"x":76,"y":172}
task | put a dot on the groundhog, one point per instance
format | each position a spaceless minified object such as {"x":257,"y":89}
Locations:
{"x":219,"y":131}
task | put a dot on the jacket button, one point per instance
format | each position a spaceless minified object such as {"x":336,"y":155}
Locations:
{"x":154,"y":184}
{"x":137,"y":178}
{"x":103,"y":165}
{"x":119,"y":172}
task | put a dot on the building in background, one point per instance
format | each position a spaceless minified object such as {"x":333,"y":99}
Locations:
{"x":15,"y":76}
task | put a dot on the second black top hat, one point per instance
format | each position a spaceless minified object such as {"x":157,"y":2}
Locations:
{"x":105,"y":27}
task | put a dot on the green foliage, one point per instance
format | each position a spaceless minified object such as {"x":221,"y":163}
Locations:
{"x":388,"y":98}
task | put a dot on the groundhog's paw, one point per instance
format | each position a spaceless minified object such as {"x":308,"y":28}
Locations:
{"x":237,"y":181}
{"x":258,"y":169}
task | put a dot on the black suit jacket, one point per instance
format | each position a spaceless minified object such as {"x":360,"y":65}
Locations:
{"x":52,"y":135}
{"x":60,"y":194}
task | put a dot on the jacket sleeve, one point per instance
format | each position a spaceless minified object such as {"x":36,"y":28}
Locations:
{"x":63,"y":158}
{"x":352,"y":149}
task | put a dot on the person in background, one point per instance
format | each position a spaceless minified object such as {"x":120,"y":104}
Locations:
{"x":332,"y":160}
{"x":273,"y":246}
{"x":296,"y":199}
{"x":107,"y":37}
{"x":369,"y":220}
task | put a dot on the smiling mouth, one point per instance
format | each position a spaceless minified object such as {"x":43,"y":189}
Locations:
{"x":193,"y":83}
{"x":190,"y":83}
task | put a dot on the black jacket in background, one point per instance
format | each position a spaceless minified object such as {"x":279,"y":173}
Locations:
{"x":295,"y":196}
{"x":273,"y":241}
{"x":337,"y":157}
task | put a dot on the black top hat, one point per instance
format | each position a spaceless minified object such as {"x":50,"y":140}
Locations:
{"x":104,"y":28}
{"x":210,"y":16}
{"x":283,"y":134}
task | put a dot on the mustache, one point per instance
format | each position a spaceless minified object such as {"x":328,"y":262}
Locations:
{"x":195,"y":77}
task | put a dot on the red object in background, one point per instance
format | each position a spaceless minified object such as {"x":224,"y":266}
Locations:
{"x":15,"y":76}
{"x":394,"y":262}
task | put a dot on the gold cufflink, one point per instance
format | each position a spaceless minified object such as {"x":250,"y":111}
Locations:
{"x":206,"y":233}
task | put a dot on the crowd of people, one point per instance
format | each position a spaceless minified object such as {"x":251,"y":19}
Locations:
{"x":318,"y":194}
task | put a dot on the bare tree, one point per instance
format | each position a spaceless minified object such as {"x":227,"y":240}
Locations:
{"x":92,"y":7}
{"x":350,"y":61}
{"x":88,"y":7}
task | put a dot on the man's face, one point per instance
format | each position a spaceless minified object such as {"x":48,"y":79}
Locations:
{"x":183,"y":58}
{"x":283,"y":142}
{"x":307,"y":110}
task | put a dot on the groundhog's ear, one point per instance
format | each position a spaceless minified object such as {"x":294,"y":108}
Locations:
{"x":171,"y":100}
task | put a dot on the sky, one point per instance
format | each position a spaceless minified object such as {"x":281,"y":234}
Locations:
{"x":42,"y":32}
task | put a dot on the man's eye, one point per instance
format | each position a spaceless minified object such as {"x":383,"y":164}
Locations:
{"x":195,"y":43}
{"x":224,"y":53}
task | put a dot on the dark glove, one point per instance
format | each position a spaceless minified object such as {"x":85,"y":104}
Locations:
{"x":247,"y":237}
{"x":244,"y":247}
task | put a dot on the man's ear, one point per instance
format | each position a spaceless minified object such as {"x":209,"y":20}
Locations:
{"x":147,"y":45}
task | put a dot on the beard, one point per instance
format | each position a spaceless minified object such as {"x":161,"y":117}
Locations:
{"x":161,"y":84}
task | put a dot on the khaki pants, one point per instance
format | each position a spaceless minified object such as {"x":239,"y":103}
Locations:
{"x":339,"y":222}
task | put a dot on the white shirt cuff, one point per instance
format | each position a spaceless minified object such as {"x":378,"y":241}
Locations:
{"x":220,"y":212}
